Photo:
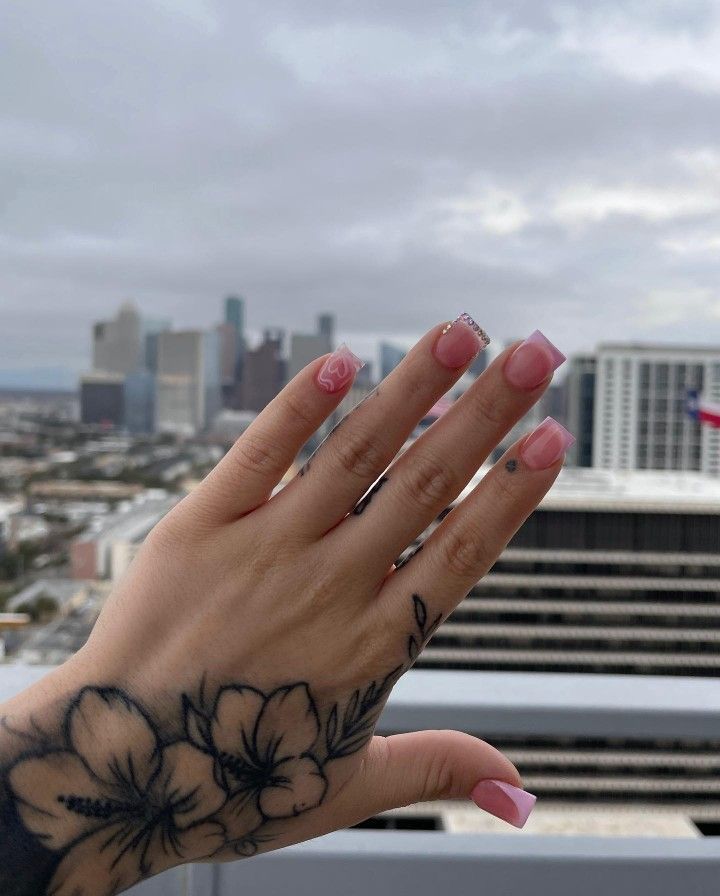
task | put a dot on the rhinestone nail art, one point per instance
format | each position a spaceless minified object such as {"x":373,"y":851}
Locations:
{"x":466,"y":319}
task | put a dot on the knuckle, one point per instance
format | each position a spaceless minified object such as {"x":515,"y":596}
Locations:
{"x":299,"y":412}
{"x":360,"y":455}
{"x":428,"y":483}
{"x":486,"y":406}
{"x":255,"y":455}
{"x":466,"y":553}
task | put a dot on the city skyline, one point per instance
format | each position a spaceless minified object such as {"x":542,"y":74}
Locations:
{"x":536,"y":165}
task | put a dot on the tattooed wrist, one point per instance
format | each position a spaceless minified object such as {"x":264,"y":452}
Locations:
{"x":118,"y":794}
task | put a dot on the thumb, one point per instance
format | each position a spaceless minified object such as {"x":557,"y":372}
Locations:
{"x":437,"y":765}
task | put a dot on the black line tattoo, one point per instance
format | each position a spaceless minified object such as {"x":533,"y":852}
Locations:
{"x":417,"y":640}
{"x":403,"y":561}
{"x":363,"y":503}
{"x":511,"y":465}
{"x":116,"y":790}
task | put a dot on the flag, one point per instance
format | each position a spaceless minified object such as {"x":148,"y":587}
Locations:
{"x":702,"y":410}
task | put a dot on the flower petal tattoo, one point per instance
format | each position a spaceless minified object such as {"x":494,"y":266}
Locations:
{"x":116,"y":796}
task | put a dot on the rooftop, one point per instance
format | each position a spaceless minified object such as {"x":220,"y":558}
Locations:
{"x":654,"y":491}
{"x":650,"y":348}
{"x":132,"y":524}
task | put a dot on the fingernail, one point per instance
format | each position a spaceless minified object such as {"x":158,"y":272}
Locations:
{"x":532,"y":362}
{"x":546,"y":445}
{"x":504,"y":801}
{"x":460,"y":341}
{"x":339,"y":369}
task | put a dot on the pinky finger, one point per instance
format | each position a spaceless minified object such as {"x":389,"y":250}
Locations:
{"x":471,"y":538}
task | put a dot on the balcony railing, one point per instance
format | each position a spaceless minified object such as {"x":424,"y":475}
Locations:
{"x":495,"y":705}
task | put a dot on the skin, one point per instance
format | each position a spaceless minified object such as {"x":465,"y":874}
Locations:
{"x":226,"y":700}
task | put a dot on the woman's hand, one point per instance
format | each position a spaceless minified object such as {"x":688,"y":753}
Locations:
{"x":226,"y":701}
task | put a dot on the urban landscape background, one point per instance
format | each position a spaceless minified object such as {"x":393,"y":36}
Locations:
{"x":198,"y":197}
{"x":617,"y":572}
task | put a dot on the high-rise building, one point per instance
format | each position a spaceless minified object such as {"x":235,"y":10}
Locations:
{"x":151,"y":328}
{"x":118,"y":343}
{"x":580,"y":408}
{"x":235,"y":316}
{"x":479,"y":364}
{"x":140,"y":401}
{"x":228,"y":346}
{"x":188,"y":381}
{"x":326,"y":327}
{"x":304,"y":348}
{"x":102,"y":399}
{"x":640,"y":413}
{"x":390,"y":357}
{"x":263,"y":372}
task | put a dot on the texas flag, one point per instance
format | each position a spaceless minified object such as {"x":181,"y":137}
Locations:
{"x":702,"y":410}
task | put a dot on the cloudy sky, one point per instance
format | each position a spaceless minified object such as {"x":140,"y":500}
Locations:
{"x":538,"y":164}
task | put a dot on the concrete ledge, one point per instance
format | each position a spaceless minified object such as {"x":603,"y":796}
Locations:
{"x":529,"y":703}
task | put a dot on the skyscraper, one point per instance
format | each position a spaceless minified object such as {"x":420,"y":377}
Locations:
{"x":102,"y":399}
{"x":640,"y":408}
{"x":580,"y":408}
{"x":326,"y":327}
{"x":140,"y":401}
{"x":235,"y":314}
{"x":479,"y":364}
{"x":263,"y":372}
{"x":235,"y":318}
{"x":118,"y":343}
{"x":228,"y":345}
{"x":188,"y":381}
{"x":304,"y":348}
{"x":390,"y":357}
{"x":151,"y":328}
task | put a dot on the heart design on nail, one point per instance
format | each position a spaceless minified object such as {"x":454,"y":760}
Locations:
{"x":339,"y":369}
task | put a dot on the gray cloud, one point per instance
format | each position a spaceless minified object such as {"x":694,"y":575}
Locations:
{"x":392,"y":161}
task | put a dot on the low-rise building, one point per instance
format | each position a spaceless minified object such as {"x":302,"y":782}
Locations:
{"x":92,"y":552}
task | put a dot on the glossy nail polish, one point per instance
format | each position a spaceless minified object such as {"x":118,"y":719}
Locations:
{"x":503,"y":800}
{"x":459,"y":342}
{"x":339,"y":369}
{"x":546,"y":445}
{"x":532,"y":362}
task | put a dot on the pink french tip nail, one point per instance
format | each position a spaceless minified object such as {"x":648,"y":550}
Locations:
{"x":503,"y":800}
{"x":532,"y":362}
{"x":339,"y":369}
{"x":460,"y":341}
{"x":546,"y":445}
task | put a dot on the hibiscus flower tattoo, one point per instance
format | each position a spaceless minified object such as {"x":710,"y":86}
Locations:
{"x":262,"y":746}
{"x":116,"y":796}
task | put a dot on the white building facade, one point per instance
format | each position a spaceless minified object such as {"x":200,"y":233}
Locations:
{"x":640,"y":416}
{"x":188,"y":381}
